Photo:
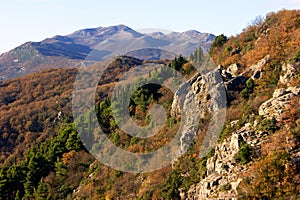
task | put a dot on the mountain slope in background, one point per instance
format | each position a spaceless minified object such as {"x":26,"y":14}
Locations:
{"x":151,"y":54}
{"x":98,"y":44}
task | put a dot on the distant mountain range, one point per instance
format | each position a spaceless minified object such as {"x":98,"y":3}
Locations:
{"x":98,"y":44}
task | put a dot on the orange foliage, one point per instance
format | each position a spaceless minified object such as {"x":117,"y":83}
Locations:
{"x":278,"y":36}
{"x":273,"y":177}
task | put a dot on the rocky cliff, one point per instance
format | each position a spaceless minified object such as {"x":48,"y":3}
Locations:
{"x":224,"y":168}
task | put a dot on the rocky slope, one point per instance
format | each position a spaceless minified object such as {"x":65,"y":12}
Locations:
{"x":257,"y":156}
{"x":223,"y":169}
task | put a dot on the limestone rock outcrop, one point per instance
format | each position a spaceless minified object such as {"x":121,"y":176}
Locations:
{"x":275,"y":107}
{"x":290,"y":70}
{"x":201,"y":95}
{"x":222,"y":169}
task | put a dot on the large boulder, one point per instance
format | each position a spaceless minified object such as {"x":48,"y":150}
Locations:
{"x":290,"y":70}
{"x":275,"y":107}
{"x":258,"y":68}
{"x":233,"y":69}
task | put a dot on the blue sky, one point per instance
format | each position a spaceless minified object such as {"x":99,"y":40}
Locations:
{"x":34,"y":20}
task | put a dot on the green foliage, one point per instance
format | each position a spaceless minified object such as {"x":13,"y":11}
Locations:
{"x":147,"y":196}
{"x":228,"y":49}
{"x":115,"y":137}
{"x":282,"y":32}
{"x":60,"y":169}
{"x":17,"y":197}
{"x":250,"y":36}
{"x":244,"y":154}
{"x":247,"y":116}
{"x":245,"y":93}
{"x":197,"y":56}
{"x":248,"y":47}
{"x":11,"y":181}
{"x":201,"y":165}
{"x":249,"y":88}
{"x":104,"y":114}
{"x":250,"y":83}
{"x":219,"y":41}
{"x":142,"y":98}
{"x":86,"y":124}
{"x":226,"y":187}
{"x":173,"y":183}
{"x":268,"y":125}
{"x":210,"y":153}
{"x":73,"y":142}
{"x":43,"y":191}
{"x":296,"y":130}
{"x":177,"y":63}
{"x":171,"y":121}
{"x":134,"y":140}
{"x":47,"y":166}
{"x":24,"y":178}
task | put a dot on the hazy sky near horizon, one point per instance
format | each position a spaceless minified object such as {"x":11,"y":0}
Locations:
{"x":35,"y":20}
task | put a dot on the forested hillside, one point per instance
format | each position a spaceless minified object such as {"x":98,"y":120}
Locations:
{"x":258,"y":151}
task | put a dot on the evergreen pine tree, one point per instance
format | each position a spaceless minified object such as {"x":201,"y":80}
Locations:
{"x":42,"y":191}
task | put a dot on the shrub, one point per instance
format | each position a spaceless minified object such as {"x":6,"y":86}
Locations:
{"x":226,"y":132}
{"x":228,"y":49}
{"x":245,"y":93}
{"x":250,"y":83}
{"x":244,"y":154}
{"x":115,"y":137}
{"x":173,"y":182}
{"x":219,"y":41}
{"x":226,"y":187}
{"x":249,"y":88}
{"x":267,"y":125}
{"x":273,"y":177}
{"x":296,"y":57}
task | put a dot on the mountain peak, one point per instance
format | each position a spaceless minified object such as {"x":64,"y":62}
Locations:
{"x":101,"y":43}
{"x":122,"y":27}
{"x":94,"y":36}
{"x":192,"y":32}
{"x":100,"y":30}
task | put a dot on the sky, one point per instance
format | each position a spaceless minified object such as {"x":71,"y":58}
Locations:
{"x":34,"y":20}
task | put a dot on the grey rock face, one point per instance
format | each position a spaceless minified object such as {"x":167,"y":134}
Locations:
{"x":222,"y":169}
{"x":198,"y":97}
{"x":290,"y":71}
{"x":275,"y":106}
{"x":209,"y":93}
